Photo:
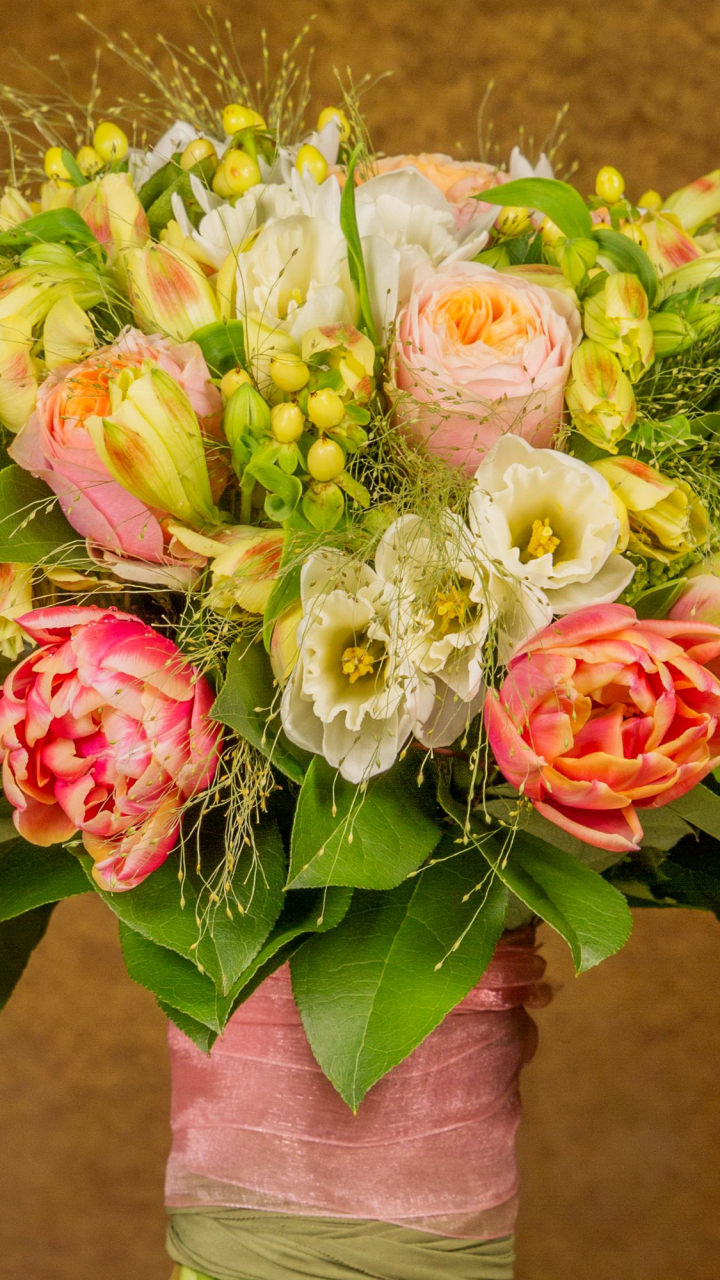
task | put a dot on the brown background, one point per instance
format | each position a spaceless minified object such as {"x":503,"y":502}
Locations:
{"x":620,"y":1143}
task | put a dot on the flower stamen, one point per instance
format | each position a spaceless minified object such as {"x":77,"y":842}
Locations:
{"x":357,"y":661}
{"x":542,"y":539}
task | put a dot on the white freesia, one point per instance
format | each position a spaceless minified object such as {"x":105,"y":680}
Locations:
{"x":227,"y":227}
{"x":354,"y":696}
{"x":540,"y":514}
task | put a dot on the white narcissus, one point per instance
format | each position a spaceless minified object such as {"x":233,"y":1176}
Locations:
{"x":354,"y":696}
{"x":542,"y":516}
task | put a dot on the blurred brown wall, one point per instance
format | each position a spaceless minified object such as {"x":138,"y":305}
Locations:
{"x":622,"y":1118}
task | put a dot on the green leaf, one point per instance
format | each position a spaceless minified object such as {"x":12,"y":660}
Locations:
{"x":201,"y":1035}
{"x":589,"y":913}
{"x":628,"y":256}
{"x":32,"y":526}
{"x":223,"y":345}
{"x":561,"y":202}
{"x":160,"y":212}
{"x":244,"y":703}
{"x":288,"y":489}
{"x":158,"y":182}
{"x":76,"y":174}
{"x":18,"y":939}
{"x":356,"y":261}
{"x":51,"y":227}
{"x":701,"y":807}
{"x":369,"y":838}
{"x":657,"y":602}
{"x":31,"y":876}
{"x":173,"y":980}
{"x":227,"y":946}
{"x":284,"y":593}
{"x":378,"y":984}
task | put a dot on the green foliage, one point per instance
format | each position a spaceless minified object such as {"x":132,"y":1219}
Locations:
{"x":76,"y":174}
{"x":33,"y":528}
{"x":688,"y":877}
{"x":173,"y":979}
{"x":18,"y":939}
{"x":204,"y":1037}
{"x":356,"y":262}
{"x":222,"y":344}
{"x":628,"y":256}
{"x":372,"y":989}
{"x":701,"y":807}
{"x":588,"y":912}
{"x":657,"y":602}
{"x":561,"y":202}
{"x":176,"y":181}
{"x":245,"y":703}
{"x":55,"y":226}
{"x":31,"y":877}
{"x":370,"y":838}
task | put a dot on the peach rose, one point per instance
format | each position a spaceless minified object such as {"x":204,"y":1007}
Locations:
{"x":459,"y":180}
{"x":480,"y":353}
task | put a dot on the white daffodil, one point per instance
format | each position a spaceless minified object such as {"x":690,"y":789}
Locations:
{"x":354,"y":695}
{"x":227,"y":227}
{"x":295,"y":276}
{"x":540,"y":515}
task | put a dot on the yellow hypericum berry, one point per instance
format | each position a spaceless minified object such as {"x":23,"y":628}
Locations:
{"x":233,"y":379}
{"x":287,"y":423}
{"x":325,"y":460}
{"x":512,"y":220}
{"x":312,"y":161}
{"x":195,"y":151}
{"x":635,"y":232}
{"x":236,"y":117}
{"x":220,"y":183}
{"x":289,"y":372}
{"x":334,"y":113}
{"x":54,"y":164}
{"x":89,"y":162}
{"x":651,"y":200}
{"x":241,"y":171}
{"x":325,"y":409}
{"x":550,"y":232}
{"x":110,"y":142}
{"x":609,"y":184}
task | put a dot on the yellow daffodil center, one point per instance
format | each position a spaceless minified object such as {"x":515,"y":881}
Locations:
{"x":452,"y":605}
{"x":542,"y":539}
{"x":357,"y":661}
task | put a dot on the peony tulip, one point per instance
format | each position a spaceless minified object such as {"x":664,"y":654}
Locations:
{"x":599,"y":396}
{"x":602,"y":714}
{"x":151,"y":443}
{"x":15,"y":600}
{"x":18,"y":372}
{"x":57,"y":446}
{"x":169,"y":292}
{"x":666,"y":518}
{"x":699,"y":600}
{"x":617,"y":317}
{"x":105,"y":729}
{"x":478,"y":354}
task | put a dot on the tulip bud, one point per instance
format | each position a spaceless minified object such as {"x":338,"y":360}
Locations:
{"x":152,"y":444}
{"x":671,"y":332}
{"x":696,"y":203}
{"x":18,"y":372}
{"x":246,"y":411}
{"x":46,"y":273}
{"x":617,"y":317}
{"x":14,"y":208}
{"x":68,"y":335}
{"x":15,"y":600}
{"x":600,"y":396}
{"x":113,"y":212}
{"x":284,"y":648}
{"x":669,"y":246}
{"x":666,"y":518}
{"x":699,"y":600}
{"x":576,"y":257}
{"x":245,"y":571}
{"x":691,"y":275}
{"x":170,"y":294}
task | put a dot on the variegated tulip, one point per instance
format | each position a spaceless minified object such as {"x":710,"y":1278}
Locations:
{"x":691,"y":275}
{"x":600,"y":396}
{"x":244,"y":564}
{"x":15,"y":600}
{"x":699,"y":601}
{"x":696,"y":203}
{"x":669,"y":246}
{"x":617,"y":317}
{"x":14,"y":208}
{"x":18,"y":372}
{"x":169,"y":292}
{"x":666,"y":518}
{"x":68,"y":335}
{"x":152,"y":445}
{"x":46,"y":273}
{"x":113,"y":213}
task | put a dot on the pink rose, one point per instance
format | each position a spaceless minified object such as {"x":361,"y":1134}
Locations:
{"x":105,"y":729}
{"x":56,"y":445}
{"x":602,"y":714}
{"x":481,"y":353}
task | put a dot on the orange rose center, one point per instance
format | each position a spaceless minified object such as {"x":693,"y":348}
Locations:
{"x":488,"y":315}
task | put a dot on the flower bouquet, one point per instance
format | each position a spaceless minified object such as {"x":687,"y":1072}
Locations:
{"x":359,"y":605}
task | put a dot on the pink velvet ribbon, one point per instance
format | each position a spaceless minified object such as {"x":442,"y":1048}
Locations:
{"x":257,"y":1125}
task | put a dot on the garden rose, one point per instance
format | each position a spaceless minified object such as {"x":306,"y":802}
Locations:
{"x":57,"y":446}
{"x":602,"y":714}
{"x":459,"y":180}
{"x":104,"y":729}
{"x":480,"y":353}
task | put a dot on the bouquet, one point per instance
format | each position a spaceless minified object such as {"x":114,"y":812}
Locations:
{"x":359,"y":520}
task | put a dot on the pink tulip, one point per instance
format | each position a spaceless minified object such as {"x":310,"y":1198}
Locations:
{"x":479,"y":353}
{"x":56,"y":444}
{"x":602,"y":714}
{"x":105,"y":729}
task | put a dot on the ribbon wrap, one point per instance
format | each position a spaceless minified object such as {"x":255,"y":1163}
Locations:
{"x":256,"y":1124}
